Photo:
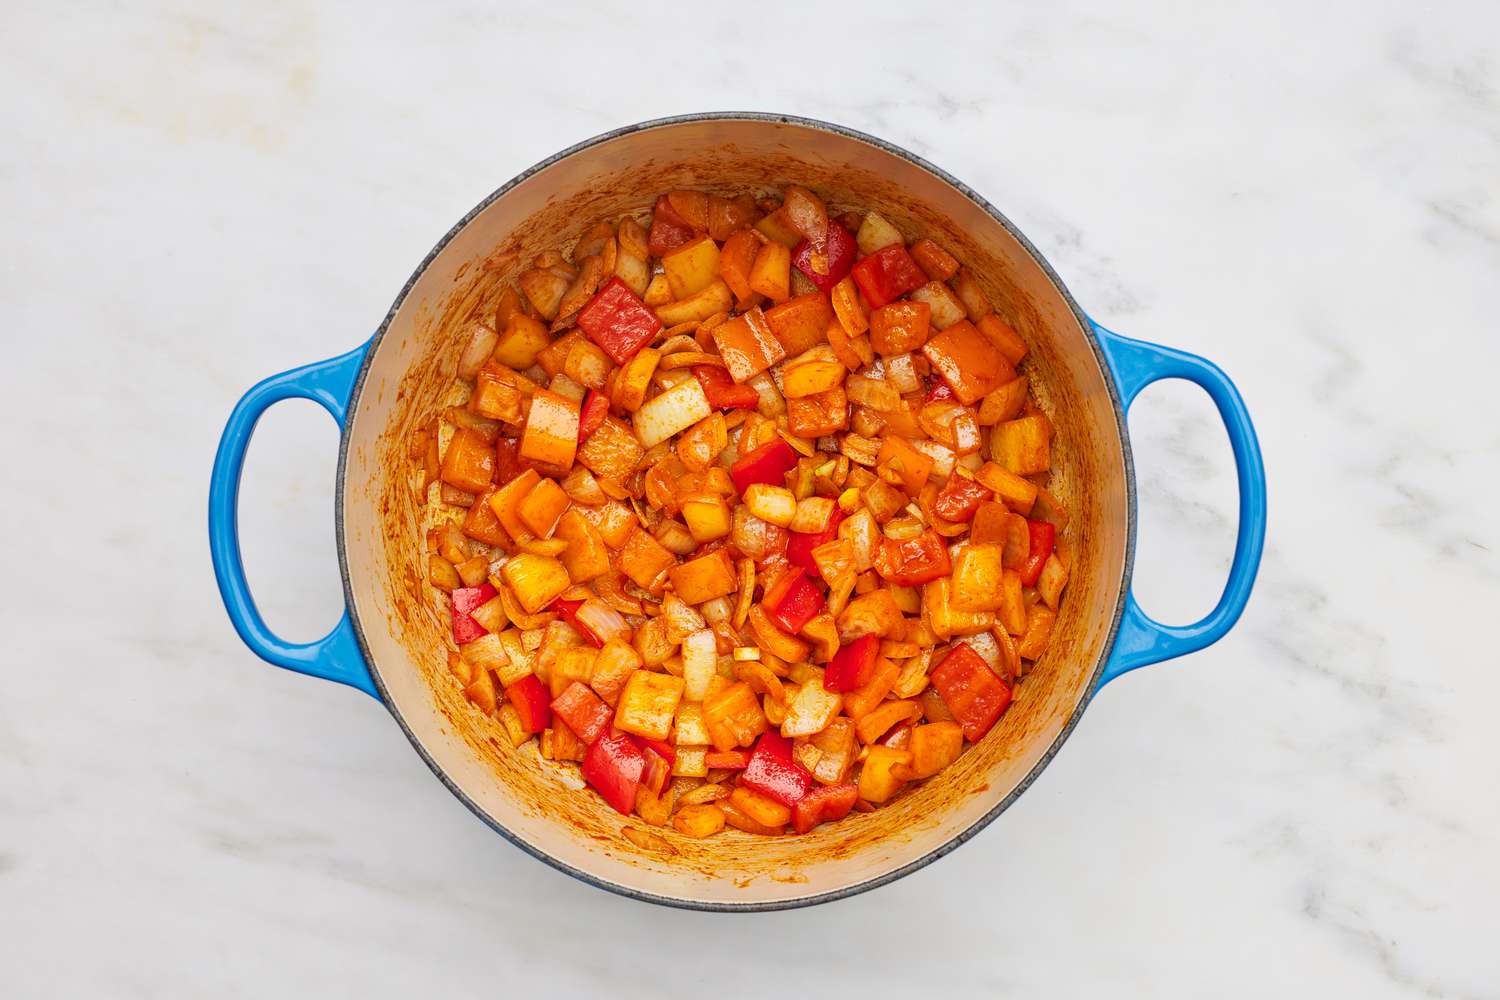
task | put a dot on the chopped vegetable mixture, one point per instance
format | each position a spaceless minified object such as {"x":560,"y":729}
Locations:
{"x":745,"y":513}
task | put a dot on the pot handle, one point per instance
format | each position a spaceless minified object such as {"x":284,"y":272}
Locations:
{"x":336,"y":656}
{"x":1141,"y":640}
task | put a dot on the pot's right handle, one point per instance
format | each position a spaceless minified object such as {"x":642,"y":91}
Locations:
{"x":336,"y":656}
{"x":1141,"y":641}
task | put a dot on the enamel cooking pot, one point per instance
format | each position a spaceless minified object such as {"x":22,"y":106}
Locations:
{"x":390,"y":643}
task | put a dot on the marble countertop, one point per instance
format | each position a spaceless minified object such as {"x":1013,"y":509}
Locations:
{"x":1308,"y":194}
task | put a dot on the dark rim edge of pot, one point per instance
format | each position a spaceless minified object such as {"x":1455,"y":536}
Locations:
{"x":958,"y":839}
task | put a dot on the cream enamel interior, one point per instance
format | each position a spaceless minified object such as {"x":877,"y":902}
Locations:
{"x":410,"y":372}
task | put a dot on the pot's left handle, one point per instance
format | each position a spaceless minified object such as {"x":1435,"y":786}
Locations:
{"x":336,"y":656}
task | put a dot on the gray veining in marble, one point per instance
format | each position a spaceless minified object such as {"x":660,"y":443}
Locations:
{"x":1308,"y":194}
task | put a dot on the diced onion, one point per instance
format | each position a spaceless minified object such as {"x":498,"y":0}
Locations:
{"x":604,"y":621}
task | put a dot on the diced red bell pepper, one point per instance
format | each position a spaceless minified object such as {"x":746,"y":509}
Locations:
{"x":613,"y":766}
{"x":661,"y":748}
{"x":568,"y":610}
{"x":531,"y":703}
{"x":1043,"y":538}
{"x":595,"y":409}
{"x":940,"y":392}
{"x":466,"y":599}
{"x":959,"y":499}
{"x":839,"y":254}
{"x":887,"y":274}
{"x":656,"y":773}
{"x":728,"y":760}
{"x":767,"y":464}
{"x":800,"y":544}
{"x":971,"y":690}
{"x":669,"y":230}
{"x":823,"y":805}
{"x":911,"y":561}
{"x":618,"y":321}
{"x":773,"y":773}
{"x":852,"y":665}
{"x":584,"y":711}
{"x":721,"y":390}
{"x":660,"y":755}
{"x":793,"y":601}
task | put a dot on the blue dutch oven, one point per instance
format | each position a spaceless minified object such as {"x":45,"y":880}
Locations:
{"x":391,"y":641}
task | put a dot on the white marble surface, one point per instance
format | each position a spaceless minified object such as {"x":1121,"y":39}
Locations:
{"x":1309,"y":194}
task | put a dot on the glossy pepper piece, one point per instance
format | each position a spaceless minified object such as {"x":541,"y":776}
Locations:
{"x":584,"y":711}
{"x":971,"y":690}
{"x":767,"y":464}
{"x":793,"y":601}
{"x":773,"y":773}
{"x":669,"y":230}
{"x":531,"y":703}
{"x":661,"y":748}
{"x":887,"y":274}
{"x":613,"y":767}
{"x":466,"y":599}
{"x":568,"y":611}
{"x":940,"y":392}
{"x":595,"y":409}
{"x":852,"y":666}
{"x":824,"y":804}
{"x":1043,"y":537}
{"x":618,"y":321}
{"x":728,"y":760}
{"x":657,"y":772}
{"x":959,"y":499}
{"x":800,"y":544}
{"x":721,"y":390}
{"x":839,"y":256}
{"x":911,"y":561}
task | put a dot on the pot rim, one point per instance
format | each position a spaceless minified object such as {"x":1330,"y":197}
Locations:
{"x":959,"y":838}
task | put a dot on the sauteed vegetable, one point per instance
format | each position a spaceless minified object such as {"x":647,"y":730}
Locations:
{"x":744,"y":512}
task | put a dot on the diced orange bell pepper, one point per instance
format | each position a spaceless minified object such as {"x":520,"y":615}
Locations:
{"x":747,"y":345}
{"x":481,"y":524}
{"x":736,"y":258}
{"x":880,"y":778}
{"x":551,"y":434}
{"x":935,"y":746}
{"x":900,"y":328}
{"x":818,"y":415}
{"x":863,"y":699}
{"x":704,"y":578}
{"x":799,"y":322}
{"x":644,"y":559}
{"x":899,"y":464}
{"x":939,"y":264}
{"x":733,"y":717}
{"x":469,"y":462}
{"x":911,"y":561}
{"x":968,"y":362}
